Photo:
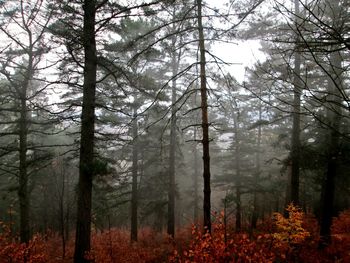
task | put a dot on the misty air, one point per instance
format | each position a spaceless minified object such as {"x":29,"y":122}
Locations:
{"x":174,"y":131}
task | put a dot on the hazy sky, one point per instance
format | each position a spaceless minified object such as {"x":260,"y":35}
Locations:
{"x":242,"y":53}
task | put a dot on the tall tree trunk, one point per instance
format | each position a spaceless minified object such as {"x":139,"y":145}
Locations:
{"x":334,"y":119}
{"x":238,"y":174}
{"x":24,"y":52}
{"x":61,"y":205}
{"x":288,"y":189}
{"x":205,"y":122}
{"x":257,"y":175}
{"x":195,"y":179}
{"x":67,"y":214}
{"x":23,"y":192}
{"x":238,"y":208}
{"x":172,"y":150}
{"x":86,"y":163}
{"x":134,"y":190}
{"x":295,"y":148}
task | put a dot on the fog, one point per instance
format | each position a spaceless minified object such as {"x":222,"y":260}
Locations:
{"x":157,"y":116}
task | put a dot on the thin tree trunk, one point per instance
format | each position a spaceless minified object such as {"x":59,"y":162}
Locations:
{"x":238,"y":208}
{"x":255,"y":214}
{"x":86,"y":164}
{"x":334,"y":113}
{"x":23,"y":193}
{"x":61,"y":205}
{"x":295,"y":148}
{"x":20,"y":78}
{"x":172,"y":155}
{"x":334,"y":119}
{"x":67,"y":215}
{"x":205,"y":123}
{"x":196,"y":162}
{"x":288,"y":189}
{"x":134,"y":190}
{"x":195,"y":179}
{"x":238,"y":175}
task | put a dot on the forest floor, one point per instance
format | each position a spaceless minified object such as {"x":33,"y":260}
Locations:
{"x":279,"y":239}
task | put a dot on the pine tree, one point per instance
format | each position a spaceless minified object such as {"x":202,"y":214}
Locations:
{"x":20,"y":67}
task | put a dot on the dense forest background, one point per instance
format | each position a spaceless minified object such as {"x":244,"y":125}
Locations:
{"x":119,"y":121}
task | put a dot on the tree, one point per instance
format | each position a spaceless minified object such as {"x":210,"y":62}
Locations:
{"x":175,"y":60}
{"x":334,"y":114}
{"x":134,"y":191}
{"x":255,"y":213}
{"x":237,"y":146}
{"x":20,"y":66}
{"x":324,"y":51}
{"x":172,"y":150}
{"x":86,"y":161}
{"x":205,"y":122}
{"x":195,"y":178}
{"x":295,"y":143}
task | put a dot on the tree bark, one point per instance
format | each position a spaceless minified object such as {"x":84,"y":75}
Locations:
{"x":20,"y":61}
{"x":334,"y":119}
{"x":334,"y":116}
{"x":86,"y":163}
{"x":205,"y":123}
{"x":238,"y":175}
{"x":134,"y":190}
{"x":255,"y":214}
{"x":195,"y":179}
{"x":172,"y":150}
{"x":23,"y":193}
{"x":295,"y":144}
{"x":61,"y":199}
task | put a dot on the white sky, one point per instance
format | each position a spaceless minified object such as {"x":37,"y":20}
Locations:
{"x":243,"y":54}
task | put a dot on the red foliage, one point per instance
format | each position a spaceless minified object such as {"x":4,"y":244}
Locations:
{"x":340,"y":247}
{"x":341,"y":224}
{"x":114,"y":246}
{"x":13,"y":252}
{"x":192,"y":245}
{"x":292,"y":239}
{"x":215,"y":247}
{"x":108,"y":247}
